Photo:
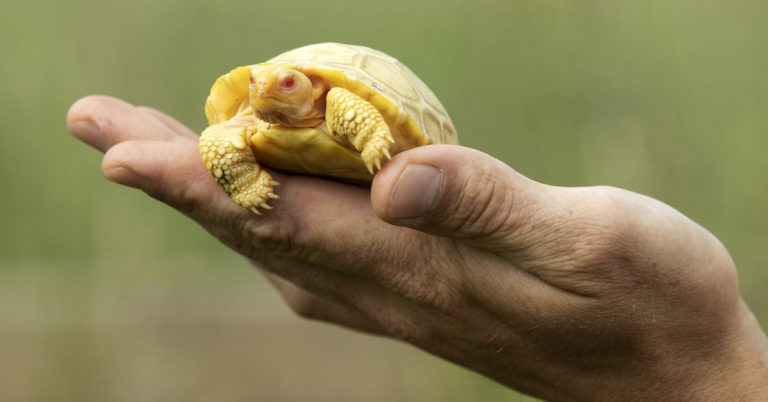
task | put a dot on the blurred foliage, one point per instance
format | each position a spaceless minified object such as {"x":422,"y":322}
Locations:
{"x":666,"y":98}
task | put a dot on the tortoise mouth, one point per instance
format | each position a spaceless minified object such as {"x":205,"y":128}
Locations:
{"x":266,"y":105}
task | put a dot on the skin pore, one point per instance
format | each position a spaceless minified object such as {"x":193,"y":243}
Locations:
{"x":282,"y":95}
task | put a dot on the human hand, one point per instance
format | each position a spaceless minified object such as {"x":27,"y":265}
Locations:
{"x":563,"y":293}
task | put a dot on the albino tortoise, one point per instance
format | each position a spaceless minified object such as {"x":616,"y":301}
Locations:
{"x":326,"y":109}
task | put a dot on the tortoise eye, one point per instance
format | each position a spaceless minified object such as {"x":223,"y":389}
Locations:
{"x":287,"y":83}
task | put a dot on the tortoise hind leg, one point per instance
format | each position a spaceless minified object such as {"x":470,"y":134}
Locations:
{"x":226,"y":154}
{"x":355,"y":119}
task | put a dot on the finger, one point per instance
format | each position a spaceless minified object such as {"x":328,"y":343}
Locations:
{"x":312,"y":306}
{"x":460,"y":193}
{"x":102,"y":121}
{"x":173,"y":124}
{"x":169,"y":171}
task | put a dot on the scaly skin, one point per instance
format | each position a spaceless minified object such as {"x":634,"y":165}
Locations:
{"x":355,"y":119}
{"x":227,"y":155}
{"x":284,"y":96}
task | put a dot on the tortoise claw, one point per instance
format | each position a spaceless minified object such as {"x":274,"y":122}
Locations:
{"x":374,"y":152}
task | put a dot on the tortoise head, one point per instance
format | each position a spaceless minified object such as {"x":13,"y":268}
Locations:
{"x":282,"y":95}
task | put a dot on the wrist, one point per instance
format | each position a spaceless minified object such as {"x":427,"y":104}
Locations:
{"x":733,"y":367}
{"x":746,"y":376}
{"x":736,"y":369}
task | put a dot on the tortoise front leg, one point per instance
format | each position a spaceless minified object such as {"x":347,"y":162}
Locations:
{"x":228,"y":156}
{"x":355,"y":119}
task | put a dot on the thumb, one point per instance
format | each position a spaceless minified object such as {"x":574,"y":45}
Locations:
{"x":460,"y":193}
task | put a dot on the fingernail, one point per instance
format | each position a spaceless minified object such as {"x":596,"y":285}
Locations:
{"x":415,"y":191}
{"x":122,"y":176}
{"x":88,"y":132}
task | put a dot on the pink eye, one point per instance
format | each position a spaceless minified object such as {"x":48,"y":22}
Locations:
{"x":287,"y":83}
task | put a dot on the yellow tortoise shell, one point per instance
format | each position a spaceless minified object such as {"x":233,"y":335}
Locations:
{"x":414,"y":114}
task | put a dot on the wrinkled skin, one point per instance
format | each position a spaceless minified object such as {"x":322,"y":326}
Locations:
{"x":564,"y":293}
{"x":281,"y":95}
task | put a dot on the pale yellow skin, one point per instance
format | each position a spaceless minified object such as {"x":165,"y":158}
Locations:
{"x":293,"y":115}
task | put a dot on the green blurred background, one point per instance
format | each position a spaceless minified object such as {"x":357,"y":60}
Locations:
{"x":105,"y":294}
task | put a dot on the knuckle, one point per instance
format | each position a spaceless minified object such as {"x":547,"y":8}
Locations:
{"x":275,"y":235}
{"x":481,"y":205}
{"x":186,"y":197}
{"x":590,"y":245}
{"x":599,"y":248}
{"x":257,"y":238}
{"x":153,"y":187}
{"x":427,"y":278}
{"x":425,"y":289}
{"x":303,"y":305}
{"x":602,"y":236}
{"x":182,"y":197}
